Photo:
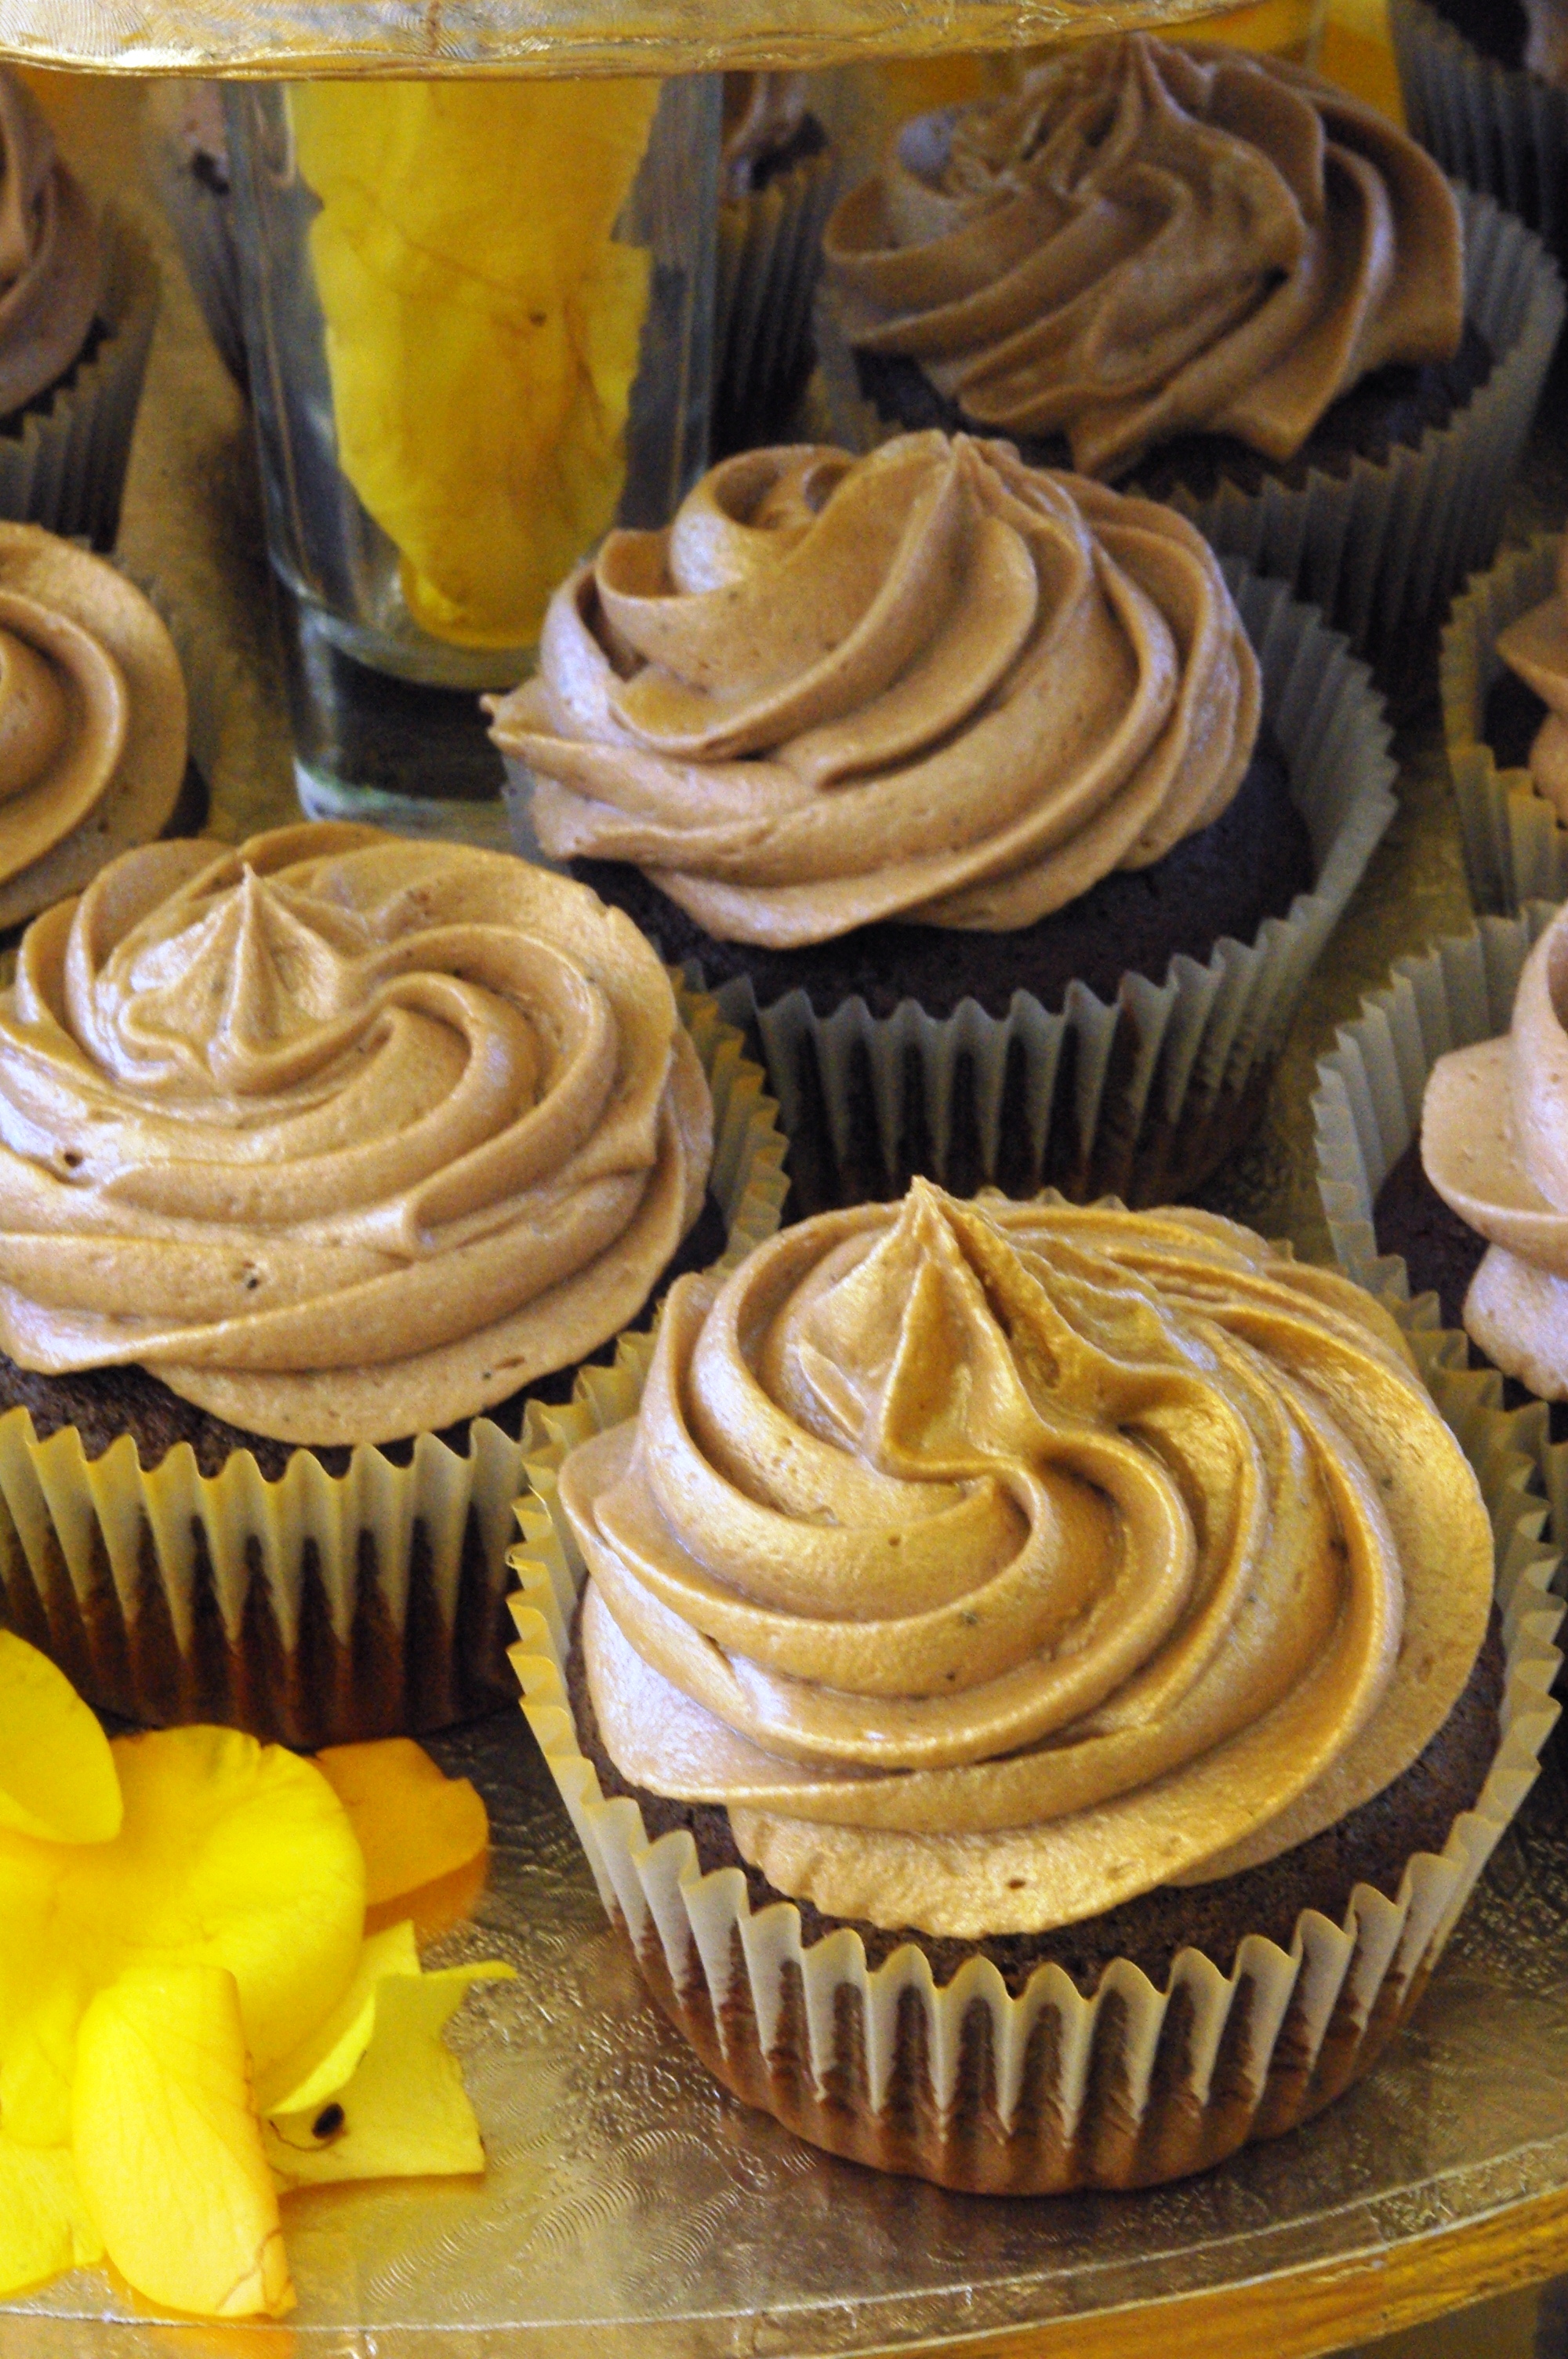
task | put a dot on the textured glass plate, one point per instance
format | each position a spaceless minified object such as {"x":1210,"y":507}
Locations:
{"x":631,"y":2208}
{"x":274,"y":38}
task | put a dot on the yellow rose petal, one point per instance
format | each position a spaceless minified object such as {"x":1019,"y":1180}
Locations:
{"x":331,"y":2055}
{"x":56,"y":1773}
{"x":169,"y":2151}
{"x":44,"y":2222}
{"x":416,"y":1825}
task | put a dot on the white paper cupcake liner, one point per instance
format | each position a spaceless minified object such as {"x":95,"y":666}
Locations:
{"x":1380,"y":549}
{"x":967,"y":2084}
{"x":1516,"y":847}
{"x":1142,"y":1097}
{"x":316,"y":1608}
{"x":1367,"y":1111}
{"x":769,"y":257}
{"x":1499,"y":129}
{"x":65,"y":468}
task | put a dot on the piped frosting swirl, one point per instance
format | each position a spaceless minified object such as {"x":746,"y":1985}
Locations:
{"x":345,"y":1137}
{"x":1150,"y":239}
{"x":49,"y":253}
{"x":1536,"y":647}
{"x":1494,"y":1144}
{"x":932,"y":683}
{"x":994,"y":1562}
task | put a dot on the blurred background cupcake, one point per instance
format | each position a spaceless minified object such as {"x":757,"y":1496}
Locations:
{"x":971,"y":789}
{"x":323,"y":1156}
{"x":1310,"y":343}
{"x":187,"y":147}
{"x":77,"y":300}
{"x":1486,"y":90}
{"x":1504,"y":675}
{"x":778,"y":175}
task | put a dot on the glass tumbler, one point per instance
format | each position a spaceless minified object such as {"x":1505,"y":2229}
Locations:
{"x":477,"y":317}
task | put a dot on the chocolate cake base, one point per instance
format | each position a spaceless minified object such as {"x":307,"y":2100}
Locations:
{"x":1247,"y":865}
{"x":389,"y":1679}
{"x":1441,"y":1255}
{"x":1395,"y":404}
{"x":1372,"y":1846}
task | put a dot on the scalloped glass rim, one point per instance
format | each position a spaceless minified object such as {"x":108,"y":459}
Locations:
{"x":275,"y":39}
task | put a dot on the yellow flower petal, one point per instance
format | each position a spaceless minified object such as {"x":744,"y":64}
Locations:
{"x":44,"y":2224}
{"x":331,"y":2055}
{"x":56,"y":1774}
{"x":404,"y":2114}
{"x":414,"y":1824}
{"x":169,"y":2151}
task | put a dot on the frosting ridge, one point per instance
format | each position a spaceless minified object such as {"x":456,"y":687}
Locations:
{"x":1536,"y":647}
{"x":344,"y":1137}
{"x":49,"y":253}
{"x":932,"y":684}
{"x":993,"y":1562}
{"x":1150,"y":238}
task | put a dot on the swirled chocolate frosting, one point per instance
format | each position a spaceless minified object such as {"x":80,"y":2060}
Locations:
{"x":1536,"y":647}
{"x":343,"y":1137}
{"x":932,"y":683}
{"x":995,"y":1562}
{"x":1153,"y":239}
{"x":49,"y":253}
{"x":1494,"y":1144}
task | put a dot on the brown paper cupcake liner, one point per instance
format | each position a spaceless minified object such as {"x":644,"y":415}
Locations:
{"x":1050,"y":2091}
{"x":769,"y":257}
{"x":65,"y":468}
{"x":1516,"y":847}
{"x":1381,"y":549}
{"x":1501,"y":129}
{"x":318,"y":1608}
{"x":1142,"y":1098}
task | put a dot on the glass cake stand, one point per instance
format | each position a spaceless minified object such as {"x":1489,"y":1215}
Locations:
{"x":631,"y":2209}
{"x":271,"y":38}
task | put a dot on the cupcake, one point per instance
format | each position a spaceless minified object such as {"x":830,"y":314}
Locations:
{"x":777,"y":179}
{"x":1504,"y":675}
{"x":1036,"y":1702}
{"x":92,"y":719}
{"x":1216,"y":279}
{"x":1486,"y":90}
{"x":188,"y":149}
{"x":331,"y":1141}
{"x":941,"y":737}
{"x":78,"y":298}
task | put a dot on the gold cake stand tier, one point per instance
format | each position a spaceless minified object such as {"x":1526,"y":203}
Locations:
{"x":631,"y":2209}
{"x":297,"y":38}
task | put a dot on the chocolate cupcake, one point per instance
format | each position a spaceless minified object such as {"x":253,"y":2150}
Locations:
{"x":92,"y":719}
{"x":77,"y":300}
{"x":951,"y":741}
{"x":946,"y":1808}
{"x":1504,"y":675}
{"x":333,"y":1141}
{"x":1215,"y":278}
{"x":778,"y":176}
{"x":1485,"y":91}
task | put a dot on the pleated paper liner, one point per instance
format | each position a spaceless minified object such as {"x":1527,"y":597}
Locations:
{"x":1367,"y":1111}
{"x":769,"y":257}
{"x":1516,"y":847}
{"x":65,"y":466}
{"x":318,"y":1608}
{"x":1498,"y":128}
{"x":966,"y":2085}
{"x":1382,"y":548}
{"x":1142,"y":1098}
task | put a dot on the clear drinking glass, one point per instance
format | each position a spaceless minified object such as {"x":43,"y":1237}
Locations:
{"x":478,"y":318}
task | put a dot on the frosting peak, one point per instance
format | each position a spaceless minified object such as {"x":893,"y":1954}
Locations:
{"x":345,"y":1137}
{"x":931,"y":683}
{"x":994,"y":1561}
{"x":1494,"y":1142}
{"x":1151,"y":238}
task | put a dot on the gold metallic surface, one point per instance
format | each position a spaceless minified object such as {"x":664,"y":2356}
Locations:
{"x":630,"y":2211}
